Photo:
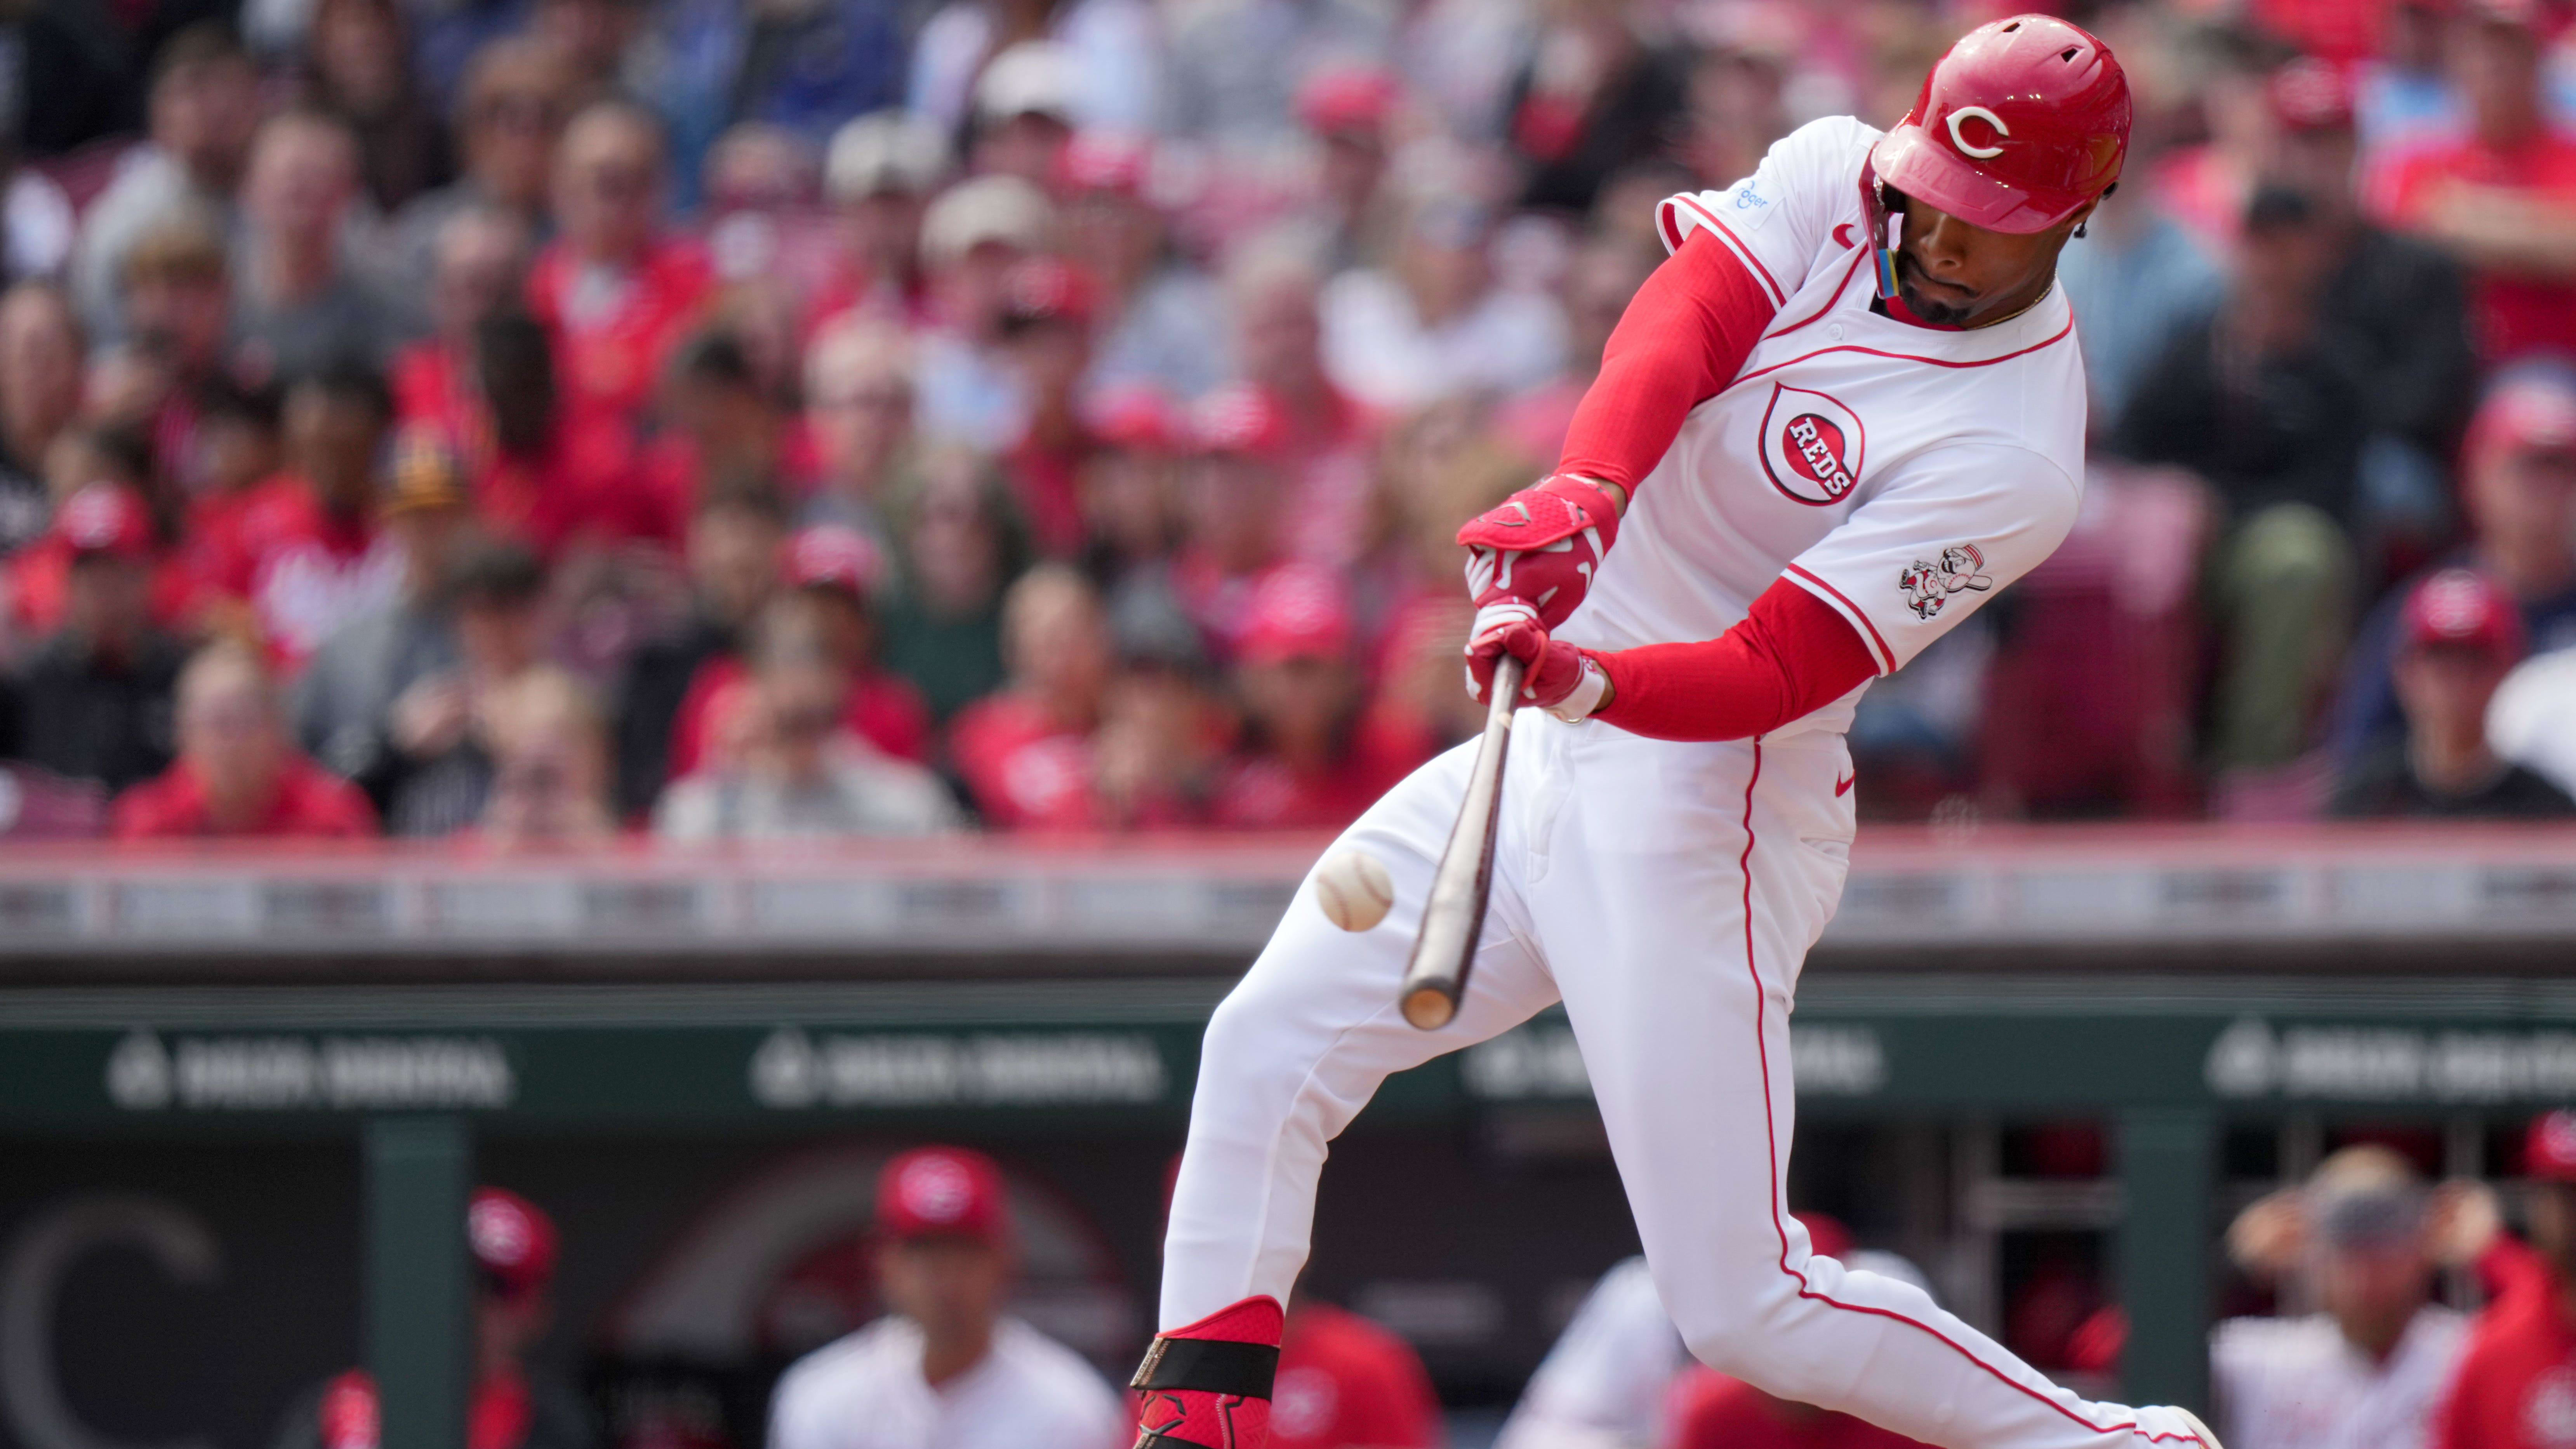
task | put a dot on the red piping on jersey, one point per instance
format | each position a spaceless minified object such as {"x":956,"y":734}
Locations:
{"x":1819,"y":314}
{"x":1736,"y":244}
{"x":1887,"y":656}
{"x":1771,"y":1134}
{"x":2060,"y":336}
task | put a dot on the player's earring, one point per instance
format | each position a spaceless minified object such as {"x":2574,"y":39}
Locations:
{"x":2080,"y":226}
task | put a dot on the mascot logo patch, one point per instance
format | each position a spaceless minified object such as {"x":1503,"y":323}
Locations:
{"x":1811,"y":446}
{"x":1928,"y":586}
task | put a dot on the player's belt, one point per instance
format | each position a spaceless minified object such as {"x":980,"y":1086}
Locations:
{"x":1210,"y":1366}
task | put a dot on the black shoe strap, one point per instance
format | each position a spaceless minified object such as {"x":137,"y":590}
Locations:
{"x":1208,"y":1365}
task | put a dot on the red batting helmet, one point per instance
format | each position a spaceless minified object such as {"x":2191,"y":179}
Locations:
{"x":2024,"y":120}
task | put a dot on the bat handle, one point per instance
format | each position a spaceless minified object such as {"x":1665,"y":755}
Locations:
{"x":1453,"y":917}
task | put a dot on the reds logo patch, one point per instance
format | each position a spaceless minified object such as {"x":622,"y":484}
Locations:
{"x":1928,"y":586}
{"x":1811,"y":446}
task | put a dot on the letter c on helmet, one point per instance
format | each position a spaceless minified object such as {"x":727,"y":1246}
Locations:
{"x":1982,"y":114}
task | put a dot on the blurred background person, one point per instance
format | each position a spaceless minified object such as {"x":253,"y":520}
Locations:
{"x":475,"y":266}
{"x":2359,"y":1239}
{"x":617,"y":290}
{"x":238,"y":773}
{"x":1438,"y":322}
{"x":357,"y":67}
{"x":947,"y":1367}
{"x":437,"y":769}
{"x":1162,"y":320}
{"x":972,"y":239}
{"x":2518,"y":494}
{"x":94,"y":701}
{"x":781,"y":761}
{"x":2501,"y":198}
{"x":879,"y":176}
{"x":516,"y":1405}
{"x":858,"y":410}
{"x":204,"y":104}
{"x":962,"y":544}
{"x":550,"y":768}
{"x":1024,"y":751}
{"x":2513,"y":1371}
{"x":43,"y":369}
{"x":2459,"y":634}
{"x":507,"y":118}
{"x":1314,"y":754}
{"x":298,"y":304}
{"x":732,"y":559}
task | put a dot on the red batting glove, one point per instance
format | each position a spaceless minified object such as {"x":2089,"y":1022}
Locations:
{"x":1540,"y":546}
{"x":1561,"y":679}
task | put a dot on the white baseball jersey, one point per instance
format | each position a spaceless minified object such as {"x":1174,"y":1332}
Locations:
{"x":1900,"y":473}
{"x":2298,"y":1383}
{"x":866,"y":1392}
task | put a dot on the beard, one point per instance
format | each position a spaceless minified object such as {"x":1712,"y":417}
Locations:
{"x":1939,"y":313}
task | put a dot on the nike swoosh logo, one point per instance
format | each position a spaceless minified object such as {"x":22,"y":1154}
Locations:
{"x":1843,"y":785}
{"x":1842,"y":235}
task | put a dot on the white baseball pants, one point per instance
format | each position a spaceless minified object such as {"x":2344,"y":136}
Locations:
{"x":1667,"y":893}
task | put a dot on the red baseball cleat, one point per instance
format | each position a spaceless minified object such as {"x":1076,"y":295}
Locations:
{"x":1207,"y":1385}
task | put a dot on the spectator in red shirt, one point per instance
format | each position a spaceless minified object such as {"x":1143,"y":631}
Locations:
{"x":1314,"y":756}
{"x":1046,"y":336}
{"x":2501,"y":199}
{"x":478,"y":264}
{"x":879,"y":176}
{"x":2516,"y":1384}
{"x":617,"y":293}
{"x":858,"y":408}
{"x":844,"y":573}
{"x":1346,"y":1383}
{"x":1235,"y":512}
{"x":80,"y":461}
{"x":721,"y":427}
{"x":1328,"y":437}
{"x":1024,"y":751}
{"x":304,"y":551}
{"x":237,"y":775}
{"x":547,"y":476}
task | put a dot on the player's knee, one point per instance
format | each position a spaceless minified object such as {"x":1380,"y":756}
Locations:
{"x":1244,"y":1050}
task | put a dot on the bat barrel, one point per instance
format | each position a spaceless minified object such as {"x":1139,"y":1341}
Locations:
{"x":1453,"y":917}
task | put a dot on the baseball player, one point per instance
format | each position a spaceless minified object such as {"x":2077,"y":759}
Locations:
{"x":946,"y":1368}
{"x":1844,"y":412}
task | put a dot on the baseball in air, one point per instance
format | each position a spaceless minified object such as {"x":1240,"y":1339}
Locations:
{"x":1354,"y":890}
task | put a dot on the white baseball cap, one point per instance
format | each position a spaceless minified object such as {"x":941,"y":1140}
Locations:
{"x":1034,"y":77}
{"x":985,"y":209}
{"x":885,"y":151}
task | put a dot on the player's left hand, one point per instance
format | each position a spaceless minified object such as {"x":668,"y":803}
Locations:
{"x":1541,"y":546}
{"x":1561,"y":679}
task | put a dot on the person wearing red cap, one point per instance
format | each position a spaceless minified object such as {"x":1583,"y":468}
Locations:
{"x":1346,"y":108}
{"x":2518,"y":490}
{"x":93,"y":700}
{"x":1847,"y":411}
{"x":514,"y":1245}
{"x":2516,"y":1384}
{"x":1235,"y":507}
{"x":841,"y":572}
{"x":947,"y":1367}
{"x":1047,"y":312}
{"x":1314,"y":753}
{"x":2459,"y":634}
{"x":2502,"y":198}
{"x":1162,"y":321}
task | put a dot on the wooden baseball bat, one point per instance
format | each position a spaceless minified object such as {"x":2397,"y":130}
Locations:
{"x":1453,"y":919}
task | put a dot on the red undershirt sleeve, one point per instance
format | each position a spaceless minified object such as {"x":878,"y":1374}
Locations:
{"x":1681,"y":341}
{"x":1791,"y":655}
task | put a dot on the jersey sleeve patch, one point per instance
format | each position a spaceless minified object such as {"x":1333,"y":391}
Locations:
{"x":1935,"y":542}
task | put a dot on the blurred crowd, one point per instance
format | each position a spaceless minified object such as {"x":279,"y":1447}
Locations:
{"x":544,"y":420}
